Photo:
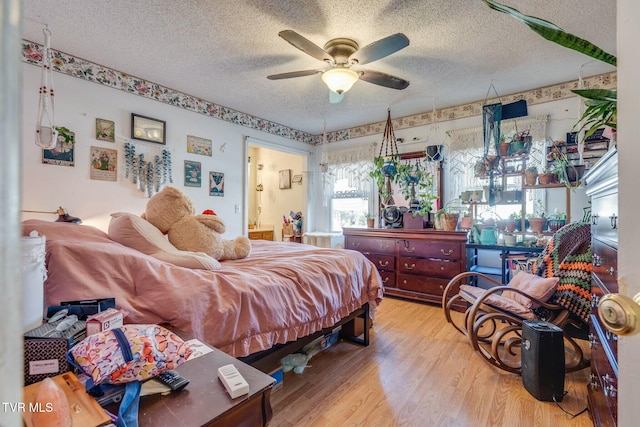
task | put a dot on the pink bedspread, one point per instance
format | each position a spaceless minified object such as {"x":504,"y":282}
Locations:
{"x":281,"y":292}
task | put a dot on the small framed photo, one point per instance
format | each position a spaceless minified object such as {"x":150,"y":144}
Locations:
{"x":105,"y":130}
{"x":104,"y":164}
{"x":192,"y":174}
{"x":62,"y":154}
{"x":285,"y":179}
{"x":216,"y":184}
{"x":297,"y":179}
{"x":197,"y":145}
{"x":148,"y":129}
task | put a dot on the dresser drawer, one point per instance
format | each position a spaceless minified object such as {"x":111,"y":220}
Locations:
{"x":388,"y":279}
{"x":429,"y":267}
{"x":604,"y":368}
{"x":604,"y":217}
{"x":371,"y":245}
{"x":430,"y":249}
{"x":605,"y":265}
{"x":382,"y":262}
{"x":426,"y":285}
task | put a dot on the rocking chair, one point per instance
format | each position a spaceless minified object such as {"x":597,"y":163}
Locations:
{"x":559,"y":293}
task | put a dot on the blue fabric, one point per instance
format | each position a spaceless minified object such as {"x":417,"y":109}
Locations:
{"x":128,"y":411}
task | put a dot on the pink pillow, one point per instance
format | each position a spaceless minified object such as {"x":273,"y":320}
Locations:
{"x":497,"y":301}
{"x":536,"y":286}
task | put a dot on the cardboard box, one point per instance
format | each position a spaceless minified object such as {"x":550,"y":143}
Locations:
{"x":45,"y":350}
{"x":104,"y":321}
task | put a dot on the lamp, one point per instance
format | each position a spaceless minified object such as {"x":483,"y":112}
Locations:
{"x":340,"y":80}
{"x":63,"y":215}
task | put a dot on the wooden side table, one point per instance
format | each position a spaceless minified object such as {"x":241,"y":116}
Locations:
{"x":205,"y":402}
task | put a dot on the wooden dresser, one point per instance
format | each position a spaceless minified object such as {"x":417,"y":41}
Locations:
{"x":261,"y":234}
{"x":602,"y":188}
{"x":414,"y":264}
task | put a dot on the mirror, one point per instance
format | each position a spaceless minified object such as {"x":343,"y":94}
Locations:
{"x":420,"y":182}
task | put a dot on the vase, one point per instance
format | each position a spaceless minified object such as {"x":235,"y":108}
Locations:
{"x":450,"y":221}
{"x":371,"y":222}
{"x":537,"y":225}
{"x":503,"y":149}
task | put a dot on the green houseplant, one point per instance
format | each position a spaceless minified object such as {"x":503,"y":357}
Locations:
{"x":66,"y":134}
{"x":384,"y":173}
{"x":416,"y":185}
{"x":601,"y":103}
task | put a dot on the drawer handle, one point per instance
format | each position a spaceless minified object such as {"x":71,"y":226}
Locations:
{"x":596,"y":260}
{"x":594,"y":219}
{"x":409,"y":268}
{"x":593,"y":343}
{"x":407,"y":248}
{"x":383,"y":263}
{"x":449,"y":252}
{"x":385,"y":280}
{"x":612,"y":271}
{"x":355,"y":244}
{"x":614,"y":221}
{"x":384,"y":246}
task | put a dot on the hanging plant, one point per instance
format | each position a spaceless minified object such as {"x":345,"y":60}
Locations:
{"x":385,"y":166}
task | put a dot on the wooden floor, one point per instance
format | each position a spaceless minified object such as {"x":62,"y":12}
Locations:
{"x":417,"y":371}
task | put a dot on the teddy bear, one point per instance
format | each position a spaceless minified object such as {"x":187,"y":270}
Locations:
{"x":171,"y":211}
{"x":295,"y":361}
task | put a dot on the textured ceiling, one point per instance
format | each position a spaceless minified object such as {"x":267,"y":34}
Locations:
{"x":222,"y":51}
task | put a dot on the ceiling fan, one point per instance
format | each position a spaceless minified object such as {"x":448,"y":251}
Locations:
{"x":341,"y":54}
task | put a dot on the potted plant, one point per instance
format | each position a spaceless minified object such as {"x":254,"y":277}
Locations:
{"x":531,"y":175}
{"x":538,"y":220}
{"x":383,"y":174}
{"x":602,"y":104}
{"x":66,"y":134}
{"x":416,"y":185}
{"x":512,"y":223}
{"x":557,"y":221}
{"x":448,"y":216}
{"x":546,"y":176}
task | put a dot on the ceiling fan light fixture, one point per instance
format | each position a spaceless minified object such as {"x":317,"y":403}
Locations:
{"x":339,"y":80}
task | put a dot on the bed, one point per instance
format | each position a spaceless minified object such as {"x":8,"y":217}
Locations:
{"x":280,"y":294}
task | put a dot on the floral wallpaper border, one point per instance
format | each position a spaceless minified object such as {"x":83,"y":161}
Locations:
{"x":89,"y":71}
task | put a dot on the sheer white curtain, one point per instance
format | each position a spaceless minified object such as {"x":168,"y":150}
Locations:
{"x":465,"y":147}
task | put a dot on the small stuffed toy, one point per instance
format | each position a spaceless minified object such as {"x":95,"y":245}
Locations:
{"x":172,"y":213}
{"x":295,"y":361}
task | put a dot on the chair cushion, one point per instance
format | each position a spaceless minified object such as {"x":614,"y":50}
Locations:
{"x":471,"y":293}
{"x":536,"y":286}
{"x":137,"y":233}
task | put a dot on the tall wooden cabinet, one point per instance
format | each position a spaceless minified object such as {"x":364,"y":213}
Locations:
{"x":414,"y":264}
{"x":602,"y":188}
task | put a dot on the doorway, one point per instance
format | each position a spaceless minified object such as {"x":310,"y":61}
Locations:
{"x":276,"y":186}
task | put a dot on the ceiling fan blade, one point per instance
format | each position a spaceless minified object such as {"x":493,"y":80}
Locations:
{"x":382,"y":79}
{"x":305,"y":45}
{"x":335,"y":98}
{"x":293,"y":74}
{"x":381,"y":48}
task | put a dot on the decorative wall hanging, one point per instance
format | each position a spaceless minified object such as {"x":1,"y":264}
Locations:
{"x":46,"y":133}
{"x":192,"y":174}
{"x":62,"y":153}
{"x":386,"y":165}
{"x":216,"y":184}
{"x":105,"y":130}
{"x":150,"y":169}
{"x":104,"y":164}
{"x":201,"y":146}
{"x":148,"y":129}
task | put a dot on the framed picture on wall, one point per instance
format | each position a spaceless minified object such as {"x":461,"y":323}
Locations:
{"x":197,"y":145}
{"x":192,"y":174}
{"x":62,"y":154}
{"x":216,"y":184}
{"x":105,"y":130}
{"x":148,"y":129}
{"x":285,"y":179}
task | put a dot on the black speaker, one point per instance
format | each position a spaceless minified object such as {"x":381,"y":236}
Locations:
{"x":543,"y":360}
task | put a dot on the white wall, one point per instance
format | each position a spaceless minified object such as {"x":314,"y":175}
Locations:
{"x":78,"y":104}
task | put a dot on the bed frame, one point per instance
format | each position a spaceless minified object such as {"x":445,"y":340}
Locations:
{"x":269,"y":360}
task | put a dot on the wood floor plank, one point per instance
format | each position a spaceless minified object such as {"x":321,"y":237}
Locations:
{"x":417,"y":371}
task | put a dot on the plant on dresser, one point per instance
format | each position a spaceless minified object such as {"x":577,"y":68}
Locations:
{"x":413,"y":264}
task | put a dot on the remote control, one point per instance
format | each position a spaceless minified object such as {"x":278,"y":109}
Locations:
{"x":173,"y":380}
{"x":235,"y":384}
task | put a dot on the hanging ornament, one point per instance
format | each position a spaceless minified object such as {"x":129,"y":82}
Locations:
{"x":46,"y":133}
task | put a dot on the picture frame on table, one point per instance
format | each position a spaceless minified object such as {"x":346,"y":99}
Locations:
{"x":148,"y":129}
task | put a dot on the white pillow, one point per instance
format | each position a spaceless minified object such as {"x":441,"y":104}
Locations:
{"x":139,"y":234}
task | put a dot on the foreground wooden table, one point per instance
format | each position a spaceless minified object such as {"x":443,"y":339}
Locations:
{"x":205,"y":402}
